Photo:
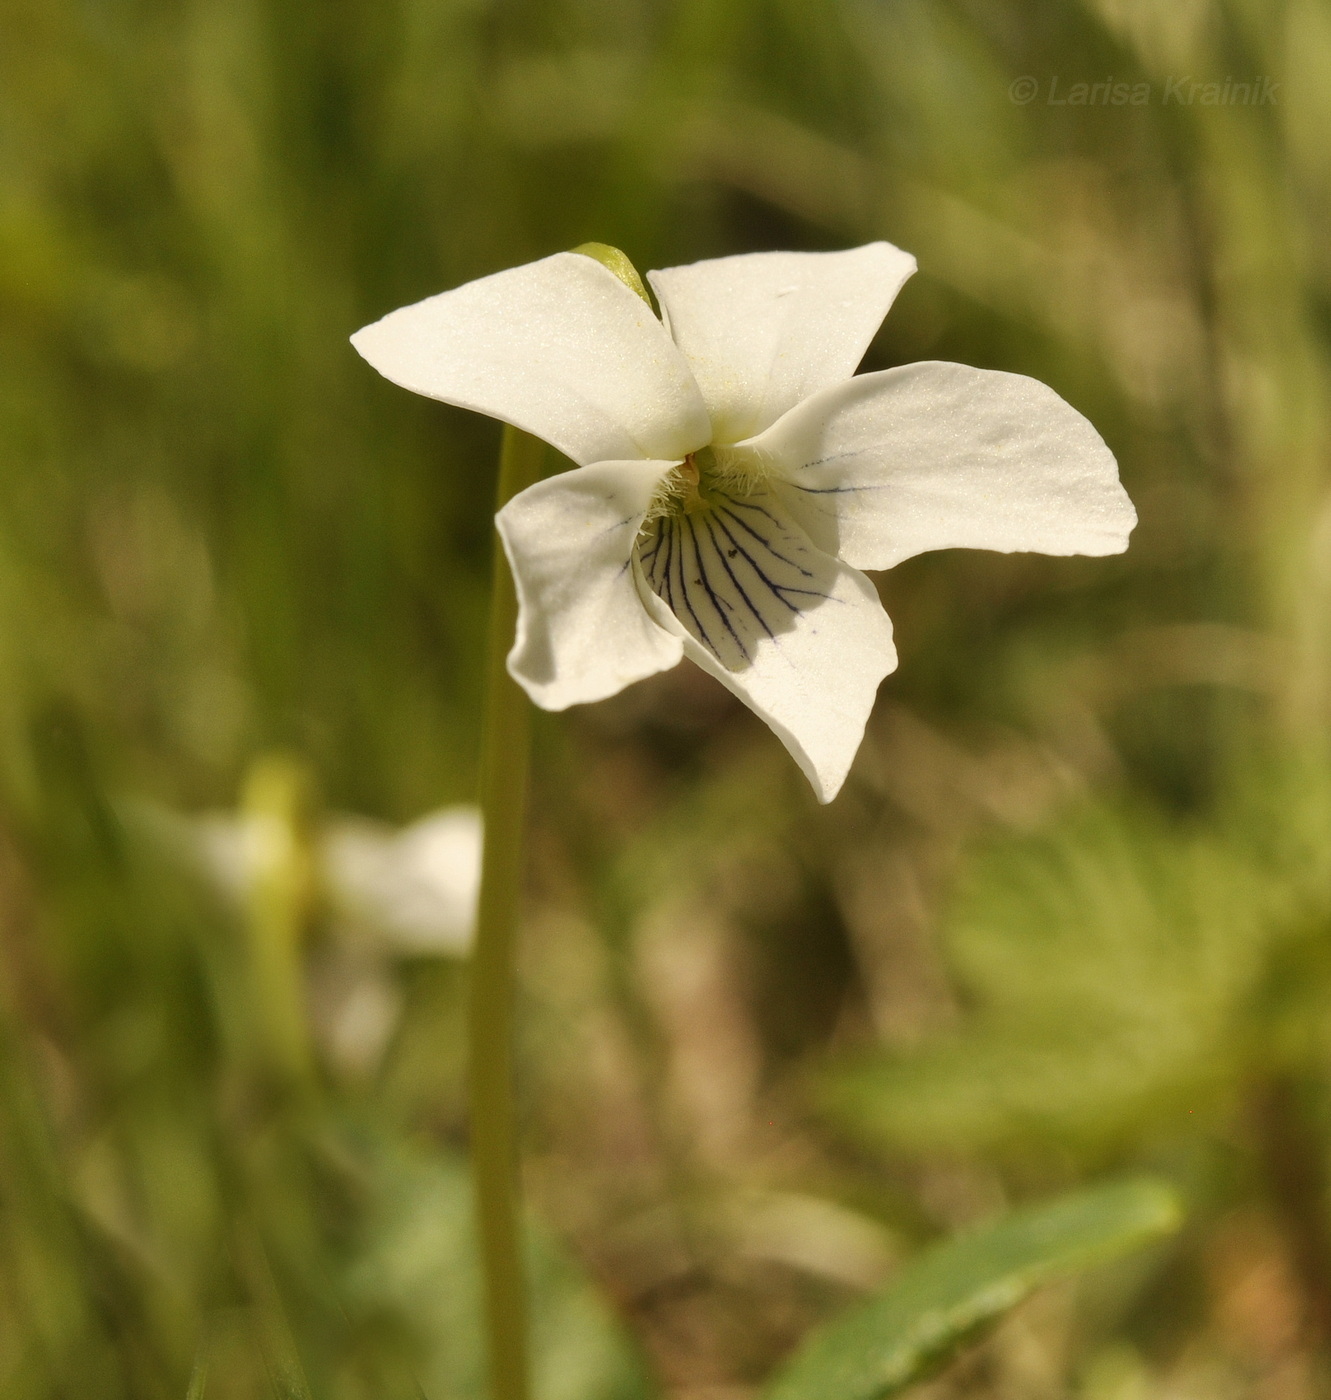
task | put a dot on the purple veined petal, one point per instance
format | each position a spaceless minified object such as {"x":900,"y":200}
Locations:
{"x":941,"y":456}
{"x":799,"y":636}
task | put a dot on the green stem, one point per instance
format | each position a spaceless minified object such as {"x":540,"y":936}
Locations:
{"x":505,"y":744}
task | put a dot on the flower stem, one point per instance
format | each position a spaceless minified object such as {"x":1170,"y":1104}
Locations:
{"x":505,"y":744}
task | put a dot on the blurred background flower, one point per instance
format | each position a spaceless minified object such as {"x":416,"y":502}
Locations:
{"x":387,"y":894}
{"x":413,"y":888}
{"x":1070,"y":914}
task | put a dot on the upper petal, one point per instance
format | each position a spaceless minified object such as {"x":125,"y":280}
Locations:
{"x":800,"y":637}
{"x":939,"y":456}
{"x":583,"y":633}
{"x":762,"y":331}
{"x":560,"y":348}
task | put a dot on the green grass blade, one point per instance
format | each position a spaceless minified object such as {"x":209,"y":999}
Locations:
{"x":953,"y":1290}
{"x":286,"y":1374}
{"x":198,"y":1380}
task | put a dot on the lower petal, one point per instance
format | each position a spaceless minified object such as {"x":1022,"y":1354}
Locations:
{"x":583,"y":632}
{"x":942,"y":456}
{"x":799,"y":636}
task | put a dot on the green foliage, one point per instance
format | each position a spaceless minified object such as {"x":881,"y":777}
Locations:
{"x":1109,"y":965}
{"x":1122,"y":974}
{"x":418,"y":1273}
{"x":198,"y":1381}
{"x":953,"y":1290}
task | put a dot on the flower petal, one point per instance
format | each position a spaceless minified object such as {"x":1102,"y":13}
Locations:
{"x":943,"y":456}
{"x":583,"y":633}
{"x":560,"y":348}
{"x":801,"y":638}
{"x":416,"y":888}
{"x":762,"y":331}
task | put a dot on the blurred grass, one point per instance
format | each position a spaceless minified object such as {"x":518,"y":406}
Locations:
{"x":1072,"y":909}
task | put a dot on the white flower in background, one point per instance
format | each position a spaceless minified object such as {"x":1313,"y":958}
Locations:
{"x":389,"y":893}
{"x":734,"y":475}
{"x":418,"y":886}
{"x":409,"y":890}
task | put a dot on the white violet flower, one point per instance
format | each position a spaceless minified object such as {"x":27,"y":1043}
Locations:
{"x":735,"y":475}
{"x":414,"y":888}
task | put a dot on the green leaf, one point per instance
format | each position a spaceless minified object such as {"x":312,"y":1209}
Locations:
{"x":955,"y":1289}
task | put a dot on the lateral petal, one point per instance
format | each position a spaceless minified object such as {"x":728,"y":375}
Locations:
{"x":761,"y":331}
{"x":943,"y":456}
{"x":583,"y":633}
{"x":560,"y":348}
{"x":800,"y":637}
